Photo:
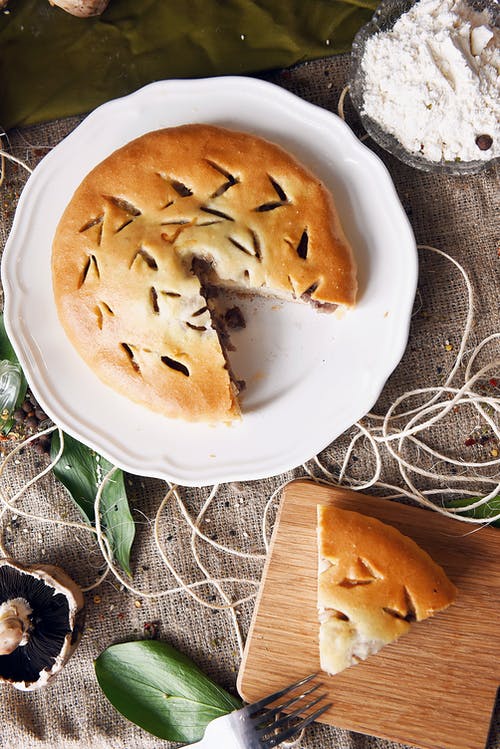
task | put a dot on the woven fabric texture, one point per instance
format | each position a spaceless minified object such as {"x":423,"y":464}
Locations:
{"x":457,"y":215}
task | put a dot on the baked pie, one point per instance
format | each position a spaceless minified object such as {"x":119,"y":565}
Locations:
{"x":373,"y":582}
{"x":160,"y":223}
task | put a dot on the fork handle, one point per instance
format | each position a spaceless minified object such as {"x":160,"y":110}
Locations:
{"x":218,"y":735}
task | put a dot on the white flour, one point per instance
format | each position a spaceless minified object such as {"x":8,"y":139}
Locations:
{"x":432,"y":81}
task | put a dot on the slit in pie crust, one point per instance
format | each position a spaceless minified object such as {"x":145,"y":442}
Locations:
{"x":127,"y":249}
{"x":373,"y":582}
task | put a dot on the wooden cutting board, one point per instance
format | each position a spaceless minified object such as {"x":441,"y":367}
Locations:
{"x":435,"y":687}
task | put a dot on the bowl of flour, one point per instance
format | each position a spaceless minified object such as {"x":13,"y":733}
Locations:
{"x":425,"y":80}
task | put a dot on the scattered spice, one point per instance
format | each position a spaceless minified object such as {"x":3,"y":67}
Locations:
{"x":39,"y":153}
{"x":30,"y":417}
{"x":216,"y":642}
{"x":151,"y":630}
{"x":138,"y":604}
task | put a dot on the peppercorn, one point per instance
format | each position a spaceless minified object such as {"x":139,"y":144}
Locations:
{"x":484,"y":142}
{"x":39,"y":448}
{"x":30,"y":417}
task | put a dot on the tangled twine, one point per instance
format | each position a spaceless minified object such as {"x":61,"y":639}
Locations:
{"x":5,"y":155}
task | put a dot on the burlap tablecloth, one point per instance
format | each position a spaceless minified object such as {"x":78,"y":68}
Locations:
{"x":458,"y":215}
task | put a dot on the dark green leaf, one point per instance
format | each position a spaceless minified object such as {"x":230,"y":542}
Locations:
{"x":483,"y":512}
{"x":161,"y":690}
{"x":6,"y":350}
{"x":7,"y":353}
{"x":81,"y":470}
{"x":89,"y":61}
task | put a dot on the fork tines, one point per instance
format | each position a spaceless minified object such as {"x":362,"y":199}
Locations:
{"x":273,"y":729}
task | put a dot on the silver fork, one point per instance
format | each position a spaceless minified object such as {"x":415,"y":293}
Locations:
{"x":259,"y":725}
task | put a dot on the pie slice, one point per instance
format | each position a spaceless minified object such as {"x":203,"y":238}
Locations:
{"x":373,"y":582}
{"x":162,"y":221}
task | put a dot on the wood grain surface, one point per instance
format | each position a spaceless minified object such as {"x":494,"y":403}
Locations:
{"x":435,"y":687}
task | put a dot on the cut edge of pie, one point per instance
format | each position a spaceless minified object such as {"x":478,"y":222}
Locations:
{"x":373,"y":583}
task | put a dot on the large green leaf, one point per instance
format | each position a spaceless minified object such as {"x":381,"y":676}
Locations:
{"x":6,"y":350}
{"x":53,"y":64}
{"x":81,"y":470}
{"x":7,"y":353}
{"x":161,"y":690}
{"x":483,"y":512}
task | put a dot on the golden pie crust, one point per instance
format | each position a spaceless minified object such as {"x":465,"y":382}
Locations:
{"x":373,"y":582}
{"x":122,"y":259}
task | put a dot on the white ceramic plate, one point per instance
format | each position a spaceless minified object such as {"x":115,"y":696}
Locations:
{"x":309,"y":376}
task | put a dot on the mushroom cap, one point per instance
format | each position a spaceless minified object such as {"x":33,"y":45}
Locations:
{"x":82,"y":8}
{"x":55,"y":625}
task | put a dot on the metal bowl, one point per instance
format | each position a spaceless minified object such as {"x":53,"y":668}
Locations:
{"x":384,"y":19}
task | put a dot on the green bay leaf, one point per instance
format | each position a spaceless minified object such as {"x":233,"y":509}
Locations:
{"x":81,"y":470}
{"x":160,"y":689}
{"x":490,"y":509}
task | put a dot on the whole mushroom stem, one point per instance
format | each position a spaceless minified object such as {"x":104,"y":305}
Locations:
{"x":14,"y":625}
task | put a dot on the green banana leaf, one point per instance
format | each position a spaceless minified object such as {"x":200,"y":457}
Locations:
{"x":54,"y":65}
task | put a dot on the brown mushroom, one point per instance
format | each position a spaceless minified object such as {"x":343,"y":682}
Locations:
{"x":82,"y":8}
{"x":41,"y":620}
